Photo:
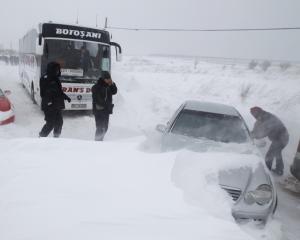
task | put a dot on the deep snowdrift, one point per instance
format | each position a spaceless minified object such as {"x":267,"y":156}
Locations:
{"x":74,"y":189}
{"x":123,"y":188}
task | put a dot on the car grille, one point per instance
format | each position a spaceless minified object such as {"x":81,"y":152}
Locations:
{"x":235,"y":193}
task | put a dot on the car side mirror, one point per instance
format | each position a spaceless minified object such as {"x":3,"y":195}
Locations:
{"x":7,"y":92}
{"x":161,"y":128}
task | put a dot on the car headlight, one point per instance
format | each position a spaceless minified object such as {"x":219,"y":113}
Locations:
{"x":262,"y":195}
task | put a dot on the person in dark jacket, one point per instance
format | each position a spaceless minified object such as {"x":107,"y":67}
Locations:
{"x":102,"y":93}
{"x":53,"y":99}
{"x":268,"y":125}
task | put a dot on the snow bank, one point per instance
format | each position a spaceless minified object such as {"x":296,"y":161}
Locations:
{"x":197,"y":175}
{"x":77,"y":189}
{"x":73,"y":189}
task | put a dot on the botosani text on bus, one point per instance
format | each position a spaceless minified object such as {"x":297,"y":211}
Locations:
{"x":77,"y":33}
{"x":52,"y":30}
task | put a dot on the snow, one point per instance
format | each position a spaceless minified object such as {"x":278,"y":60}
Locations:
{"x":75,"y":188}
{"x":53,"y":190}
{"x":197,"y":176}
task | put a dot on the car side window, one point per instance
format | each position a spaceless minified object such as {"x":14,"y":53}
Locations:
{"x":173,"y":118}
{"x":245,"y":126}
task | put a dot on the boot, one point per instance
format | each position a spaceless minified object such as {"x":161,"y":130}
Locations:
{"x":56,"y":135}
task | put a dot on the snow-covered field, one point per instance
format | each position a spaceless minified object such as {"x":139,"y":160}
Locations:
{"x":123,"y":188}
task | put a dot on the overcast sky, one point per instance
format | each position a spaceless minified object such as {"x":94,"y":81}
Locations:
{"x":17,"y":17}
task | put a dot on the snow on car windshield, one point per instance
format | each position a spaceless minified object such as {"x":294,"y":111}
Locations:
{"x":217,"y":127}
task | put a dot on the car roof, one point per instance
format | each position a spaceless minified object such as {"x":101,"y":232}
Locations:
{"x":211,"y":107}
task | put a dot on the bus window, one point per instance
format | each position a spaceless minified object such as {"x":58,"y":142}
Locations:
{"x":46,"y":51}
{"x":105,"y":59}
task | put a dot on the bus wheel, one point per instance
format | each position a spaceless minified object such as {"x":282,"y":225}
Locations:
{"x":32,"y":94}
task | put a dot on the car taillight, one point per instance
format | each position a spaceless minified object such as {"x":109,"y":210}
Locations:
{"x":7,"y":121}
{"x":4,"y":104}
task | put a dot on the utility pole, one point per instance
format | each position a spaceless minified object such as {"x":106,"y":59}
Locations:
{"x":77,"y":17}
{"x":106,"y":20}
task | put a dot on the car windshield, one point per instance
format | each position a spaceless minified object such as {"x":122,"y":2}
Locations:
{"x":80,"y":61}
{"x":216,"y":127}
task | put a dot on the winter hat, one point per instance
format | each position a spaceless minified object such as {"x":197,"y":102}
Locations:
{"x":53,"y":69}
{"x":256,"y":111}
{"x":106,"y":75}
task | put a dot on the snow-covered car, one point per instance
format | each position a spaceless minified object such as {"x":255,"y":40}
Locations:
{"x":252,"y":190}
{"x":6,"y":109}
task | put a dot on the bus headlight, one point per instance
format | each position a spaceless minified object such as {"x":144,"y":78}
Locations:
{"x":262,"y":195}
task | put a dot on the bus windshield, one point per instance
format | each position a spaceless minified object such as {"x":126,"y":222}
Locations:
{"x":80,"y":61}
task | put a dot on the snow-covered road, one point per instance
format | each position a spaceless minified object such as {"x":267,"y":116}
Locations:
{"x":150,"y":89}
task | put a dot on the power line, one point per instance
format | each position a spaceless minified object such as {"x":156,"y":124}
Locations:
{"x":204,"y":30}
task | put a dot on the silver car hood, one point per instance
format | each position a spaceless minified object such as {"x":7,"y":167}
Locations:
{"x":235,"y":178}
{"x":236,"y":182}
{"x":238,"y":178}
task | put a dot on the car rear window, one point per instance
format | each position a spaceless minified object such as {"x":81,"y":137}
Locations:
{"x":216,"y":127}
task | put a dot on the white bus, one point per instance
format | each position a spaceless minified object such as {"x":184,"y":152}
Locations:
{"x":83,"y":54}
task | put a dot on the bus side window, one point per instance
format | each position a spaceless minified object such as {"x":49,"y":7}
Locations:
{"x":46,"y":50}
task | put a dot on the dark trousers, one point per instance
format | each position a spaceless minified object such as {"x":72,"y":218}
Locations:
{"x":274,"y":152}
{"x":54,"y":121}
{"x":102,"y":120}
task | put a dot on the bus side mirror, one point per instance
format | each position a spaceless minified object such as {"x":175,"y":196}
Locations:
{"x":39,"y":50}
{"x":118,"y":51}
{"x":40,"y":39}
{"x":39,"y":47}
{"x":119,"y":57}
